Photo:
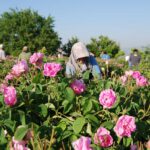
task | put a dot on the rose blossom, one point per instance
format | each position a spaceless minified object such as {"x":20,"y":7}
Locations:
{"x":37,"y":59}
{"x":103,"y":138}
{"x":107,"y":98}
{"x":2,"y":87}
{"x":136,"y":74}
{"x":78,"y":86}
{"x":51,"y":69}
{"x":83,"y":143}
{"x":9,"y":77}
{"x":141,"y":81}
{"x":19,"y":145}
{"x":148,"y":144}
{"x":10,"y":96}
{"x":125,"y":126}
{"x":129,"y":73}
{"x":123,"y":79}
{"x":133,"y":147}
{"x":19,"y":68}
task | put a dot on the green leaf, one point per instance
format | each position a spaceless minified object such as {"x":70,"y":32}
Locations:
{"x":92,"y":119}
{"x":62,"y":125}
{"x":21,"y":132}
{"x":108,"y":124}
{"x":127,"y":141}
{"x":86,"y":75}
{"x":43,"y":110}
{"x":87,"y":106}
{"x":22,"y":117}
{"x":118,"y":109}
{"x":29,"y":88}
{"x":1,"y":98}
{"x":37,"y":78}
{"x":108,"y":85}
{"x":67,"y":106}
{"x":88,"y":130}
{"x":10,"y":124}
{"x":3,"y":140}
{"x":66,"y":134}
{"x":70,"y":95}
{"x":51,"y":106}
{"x":73,"y":138}
{"x":78,"y":124}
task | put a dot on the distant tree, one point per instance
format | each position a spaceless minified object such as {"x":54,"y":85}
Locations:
{"x":120,"y":53}
{"x":103,"y":43}
{"x":147,"y":49}
{"x":27,"y":27}
{"x":67,"y":47}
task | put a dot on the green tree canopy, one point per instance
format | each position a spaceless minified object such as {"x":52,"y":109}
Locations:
{"x":103,"y":43}
{"x":27,"y":27}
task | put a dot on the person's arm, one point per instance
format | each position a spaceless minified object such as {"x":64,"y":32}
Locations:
{"x":139,"y":59}
{"x":95,"y":68}
{"x":3,"y":57}
{"x":70,"y":71}
{"x":130,"y":57}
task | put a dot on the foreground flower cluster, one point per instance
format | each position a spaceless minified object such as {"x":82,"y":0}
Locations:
{"x":141,"y":81}
{"x":64,"y":112}
{"x":123,"y":128}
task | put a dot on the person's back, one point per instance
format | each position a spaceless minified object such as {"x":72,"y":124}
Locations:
{"x":105,"y":56}
{"x":135,"y":58}
{"x":2,"y":53}
{"x":24,"y":55}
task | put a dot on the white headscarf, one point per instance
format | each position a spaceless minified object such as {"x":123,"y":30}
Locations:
{"x":78,"y":50}
{"x":1,"y":46}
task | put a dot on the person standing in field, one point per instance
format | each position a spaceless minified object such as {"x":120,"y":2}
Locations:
{"x":135,"y":58}
{"x":2,"y":53}
{"x":24,"y":55}
{"x":104,"y":56}
{"x":81,"y":60}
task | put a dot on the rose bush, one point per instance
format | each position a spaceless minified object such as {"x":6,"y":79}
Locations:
{"x":46,"y":103}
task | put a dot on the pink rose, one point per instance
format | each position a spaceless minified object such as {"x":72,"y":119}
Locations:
{"x":78,"y":86}
{"x":2,"y":87}
{"x":37,"y":59}
{"x":141,"y":81}
{"x":83,"y":143}
{"x":103,"y":138}
{"x":9,"y":77}
{"x":129,"y":73}
{"x":107,"y":98}
{"x":51,"y":69}
{"x":19,"y":145}
{"x":10,"y":96}
{"x":133,"y":147}
{"x":125,"y":126}
{"x":19,"y":68}
{"x":148,"y":144}
{"x":123,"y":79}
{"x":136,"y":74}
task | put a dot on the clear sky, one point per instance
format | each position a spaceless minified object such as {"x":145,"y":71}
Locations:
{"x":125,"y":21}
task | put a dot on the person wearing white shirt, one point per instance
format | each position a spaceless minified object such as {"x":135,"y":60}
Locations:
{"x":2,"y":53}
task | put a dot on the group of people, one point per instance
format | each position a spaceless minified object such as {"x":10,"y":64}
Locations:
{"x":23,"y":55}
{"x":80,"y":60}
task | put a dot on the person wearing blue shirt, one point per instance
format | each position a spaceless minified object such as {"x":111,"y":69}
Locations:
{"x":81,"y":60}
{"x":105,"y":56}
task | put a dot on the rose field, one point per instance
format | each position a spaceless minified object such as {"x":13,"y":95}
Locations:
{"x":41,"y":109}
